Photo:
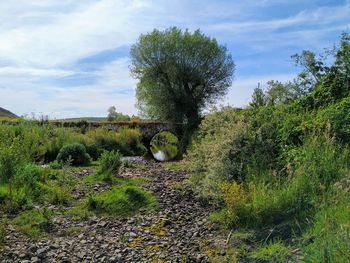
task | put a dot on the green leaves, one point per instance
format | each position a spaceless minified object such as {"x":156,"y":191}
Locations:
{"x":179,"y":74}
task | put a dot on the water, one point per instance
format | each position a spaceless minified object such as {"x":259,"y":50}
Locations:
{"x":160,"y":156}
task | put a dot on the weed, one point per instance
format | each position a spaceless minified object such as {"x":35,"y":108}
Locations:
{"x":35,"y":222}
{"x":121,"y":201}
{"x":272,"y":252}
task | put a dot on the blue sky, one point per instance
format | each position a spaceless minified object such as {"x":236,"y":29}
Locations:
{"x":68,"y":58}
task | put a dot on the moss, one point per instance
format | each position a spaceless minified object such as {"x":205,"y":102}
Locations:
{"x":136,"y":242}
{"x":158,"y":228}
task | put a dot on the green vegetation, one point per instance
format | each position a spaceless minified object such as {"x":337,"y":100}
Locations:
{"x":110,"y":162}
{"x":34,"y":222}
{"x":25,"y":184}
{"x":166,"y":143}
{"x":272,"y":252}
{"x":122,"y":201}
{"x":272,"y":168}
{"x":180,"y":73}
{"x":74,"y":153}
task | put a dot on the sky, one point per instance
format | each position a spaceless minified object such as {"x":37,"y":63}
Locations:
{"x":70,"y":58}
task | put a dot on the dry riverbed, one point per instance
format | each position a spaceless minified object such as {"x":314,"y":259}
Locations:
{"x":177,"y":231}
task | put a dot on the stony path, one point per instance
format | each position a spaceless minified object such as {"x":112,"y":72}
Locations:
{"x":175,"y":232}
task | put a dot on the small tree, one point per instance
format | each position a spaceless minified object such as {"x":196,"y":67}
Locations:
{"x":180,"y":73}
{"x":258,"y":98}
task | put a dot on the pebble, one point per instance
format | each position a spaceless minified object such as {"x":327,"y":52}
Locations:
{"x":171,"y":234}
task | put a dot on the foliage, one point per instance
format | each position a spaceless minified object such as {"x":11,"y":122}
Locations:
{"x":35,"y":222}
{"x":76,"y":152}
{"x":110,"y":164}
{"x":272,"y":252}
{"x":116,"y":116}
{"x":329,"y":238}
{"x":129,"y":142}
{"x":165,"y":142}
{"x":180,"y":73}
{"x":122,"y":201}
{"x":218,"y":153}
{"x":271,"y":168}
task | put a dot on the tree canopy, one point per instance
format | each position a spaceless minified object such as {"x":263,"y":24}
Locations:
{"x":180,"y":73}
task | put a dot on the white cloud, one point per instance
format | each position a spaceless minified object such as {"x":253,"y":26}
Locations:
{"x":239,"y":94}
{"x":34,"y":72}
{"x":40,"y":39}
{"x":57,"y":101}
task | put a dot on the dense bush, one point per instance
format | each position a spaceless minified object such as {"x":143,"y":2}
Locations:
{"x":129,"y":142}
{"x":273,"y":165}
{"x":75,"y":152}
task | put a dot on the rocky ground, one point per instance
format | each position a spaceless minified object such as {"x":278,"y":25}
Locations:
{"x":178,"y":231}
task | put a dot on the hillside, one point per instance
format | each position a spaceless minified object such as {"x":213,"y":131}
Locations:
{"x":6,"y":113}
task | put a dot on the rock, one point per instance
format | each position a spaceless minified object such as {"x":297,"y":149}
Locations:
{"x":34,"y":259}
{"x":42,"y":251}
{"x":132,"y":234}
{"x":81,"y":255}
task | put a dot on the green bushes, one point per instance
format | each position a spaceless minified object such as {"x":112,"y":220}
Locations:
{"x":110,"y":162}
{"x":76,"y":153}
{"x":11,"y":158}
{"x":43,"y":143}
{"x":129,"y":142}
{"x":164,"y":146}
{"x":121,"y":201}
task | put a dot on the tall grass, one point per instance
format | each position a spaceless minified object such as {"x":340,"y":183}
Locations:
{"x":320,"y":162}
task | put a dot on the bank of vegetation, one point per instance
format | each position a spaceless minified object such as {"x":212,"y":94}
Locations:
{"x":278,"y":170}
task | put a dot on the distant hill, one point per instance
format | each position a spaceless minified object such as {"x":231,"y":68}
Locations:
{"x":90,"y":119}
{"x":6,"y":113}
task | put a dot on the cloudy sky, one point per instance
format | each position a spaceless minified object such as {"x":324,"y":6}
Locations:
{"x":70,"y":58}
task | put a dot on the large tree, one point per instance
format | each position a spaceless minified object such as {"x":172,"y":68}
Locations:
{"x":180,"y":73}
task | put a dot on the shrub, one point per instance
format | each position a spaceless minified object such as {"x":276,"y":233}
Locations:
{"x":57,"y":195}
{"x":122,"y":201}
{"x":56,"y":165}
{"x":104,"y":139}
{"x":218,"y":152}
{"x":76,"y":152}
{"x":28,"y":178}
{"x":110,"y":162}
{"x":11,"y":158}
{"x":129,"y":142}
{"x":166,"y":145}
